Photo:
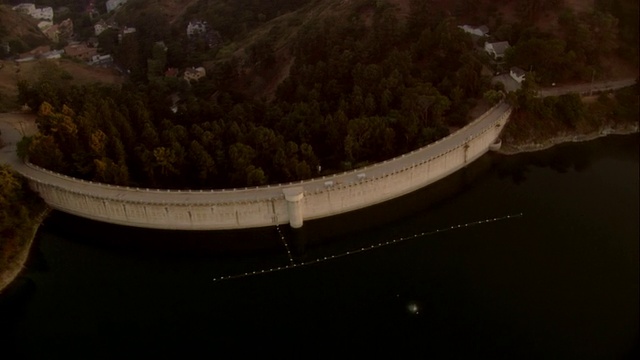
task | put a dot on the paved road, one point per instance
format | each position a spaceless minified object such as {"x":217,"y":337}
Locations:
{"x":586,"y":88}
{"x":9,"y":123}
{"x":13,"y":126}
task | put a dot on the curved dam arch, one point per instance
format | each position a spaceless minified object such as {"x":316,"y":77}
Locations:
{"x":291,"y":203}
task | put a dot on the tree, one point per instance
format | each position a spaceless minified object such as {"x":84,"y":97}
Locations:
{"x":13,"y":212}
{"x":165,"y":159}
{"x":492,"y":96}
{"x":202,"y":163}
{"x":570,"y":109}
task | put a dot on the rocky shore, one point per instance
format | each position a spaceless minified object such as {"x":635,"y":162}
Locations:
{"x":511,"y":147}
{"x":10,"y":270}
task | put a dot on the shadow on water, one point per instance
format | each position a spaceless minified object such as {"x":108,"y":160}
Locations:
{"x":569,"y":156}
{"x":161,"y":241}
{"x":319,"y":233}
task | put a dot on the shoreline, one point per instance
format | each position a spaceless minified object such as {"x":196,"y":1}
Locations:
{"x":533,"y":146}
{"x":13,"y":270}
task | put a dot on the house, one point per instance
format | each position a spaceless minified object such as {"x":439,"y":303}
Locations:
{"x":52,"y":32}
{"x":196,"y":27}
{"x":125,"y":31}
{"x":194,"y":73}
{"x":496,"y":49}
{"x":517,"y":74}
{"x":65,"y":29}
{"x":80,"y":51}
{"x":25,"y":8}
{"x":113,"y":4}
{"x":54,"y":54}
{"x":45,"y":13}
{"x":99,"y":27}
{"x":101,"y":60}
{"x":473,"y":30}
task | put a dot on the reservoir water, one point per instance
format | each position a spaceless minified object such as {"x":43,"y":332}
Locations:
{"x":559,"y":281}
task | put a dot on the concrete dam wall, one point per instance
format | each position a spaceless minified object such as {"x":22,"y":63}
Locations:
{"x":274,"y":204}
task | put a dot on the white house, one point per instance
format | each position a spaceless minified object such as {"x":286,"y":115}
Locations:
{"x":101,"y":60}
{"x":195,"y":73}
{"x":113,"y":4}
{"x":99,"y":27}
{"x":25,"y":8}
{"x":45,"y":13}
{"x":497,"y":49}
{"x":475,"y":30}
{"x":196,"y":27}
{"x":54,"y":54}
{"x":517,"y":74}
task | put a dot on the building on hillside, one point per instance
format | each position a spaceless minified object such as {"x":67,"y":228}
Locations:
{"x":65,"y":29}
{"x":25,"y":8}
{"x":45,"y":13}
{"x":496,"y":49}
{"x":114,"y":4}
{"x":517,"y":74}
{"x":194,"y":74}
{"x":101,"y":60}
{"x":196,"y":27}
{"x":54,"y":54}
{"x":124,"y":32}
{"x":475,"y":30}
{"x":99,"y":27}
{"x":44,"y":25}
{"x":80,"y":52}
{"x":52,"y":32}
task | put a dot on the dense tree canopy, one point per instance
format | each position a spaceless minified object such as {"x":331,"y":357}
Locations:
{"x":361,"y":87}
{"x":356,"y":93}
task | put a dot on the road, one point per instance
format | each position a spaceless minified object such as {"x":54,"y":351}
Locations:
{"x":588,"y":87}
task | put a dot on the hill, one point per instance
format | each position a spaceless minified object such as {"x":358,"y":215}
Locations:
{"x":301,"y":88}
{"x":19,"y":31}
{"x":72,"y":71}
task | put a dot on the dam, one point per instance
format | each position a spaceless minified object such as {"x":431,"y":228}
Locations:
{"x":291,"y":203}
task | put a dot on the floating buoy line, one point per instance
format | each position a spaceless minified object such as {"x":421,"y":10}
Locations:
{"x":286,"y":246}
{"x":292,"y":264}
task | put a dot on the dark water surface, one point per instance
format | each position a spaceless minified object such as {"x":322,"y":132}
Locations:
{"x":559,"y":282}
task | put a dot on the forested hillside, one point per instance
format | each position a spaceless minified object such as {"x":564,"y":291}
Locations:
{"x":359,"y":91}
{"x":355,"y":82}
